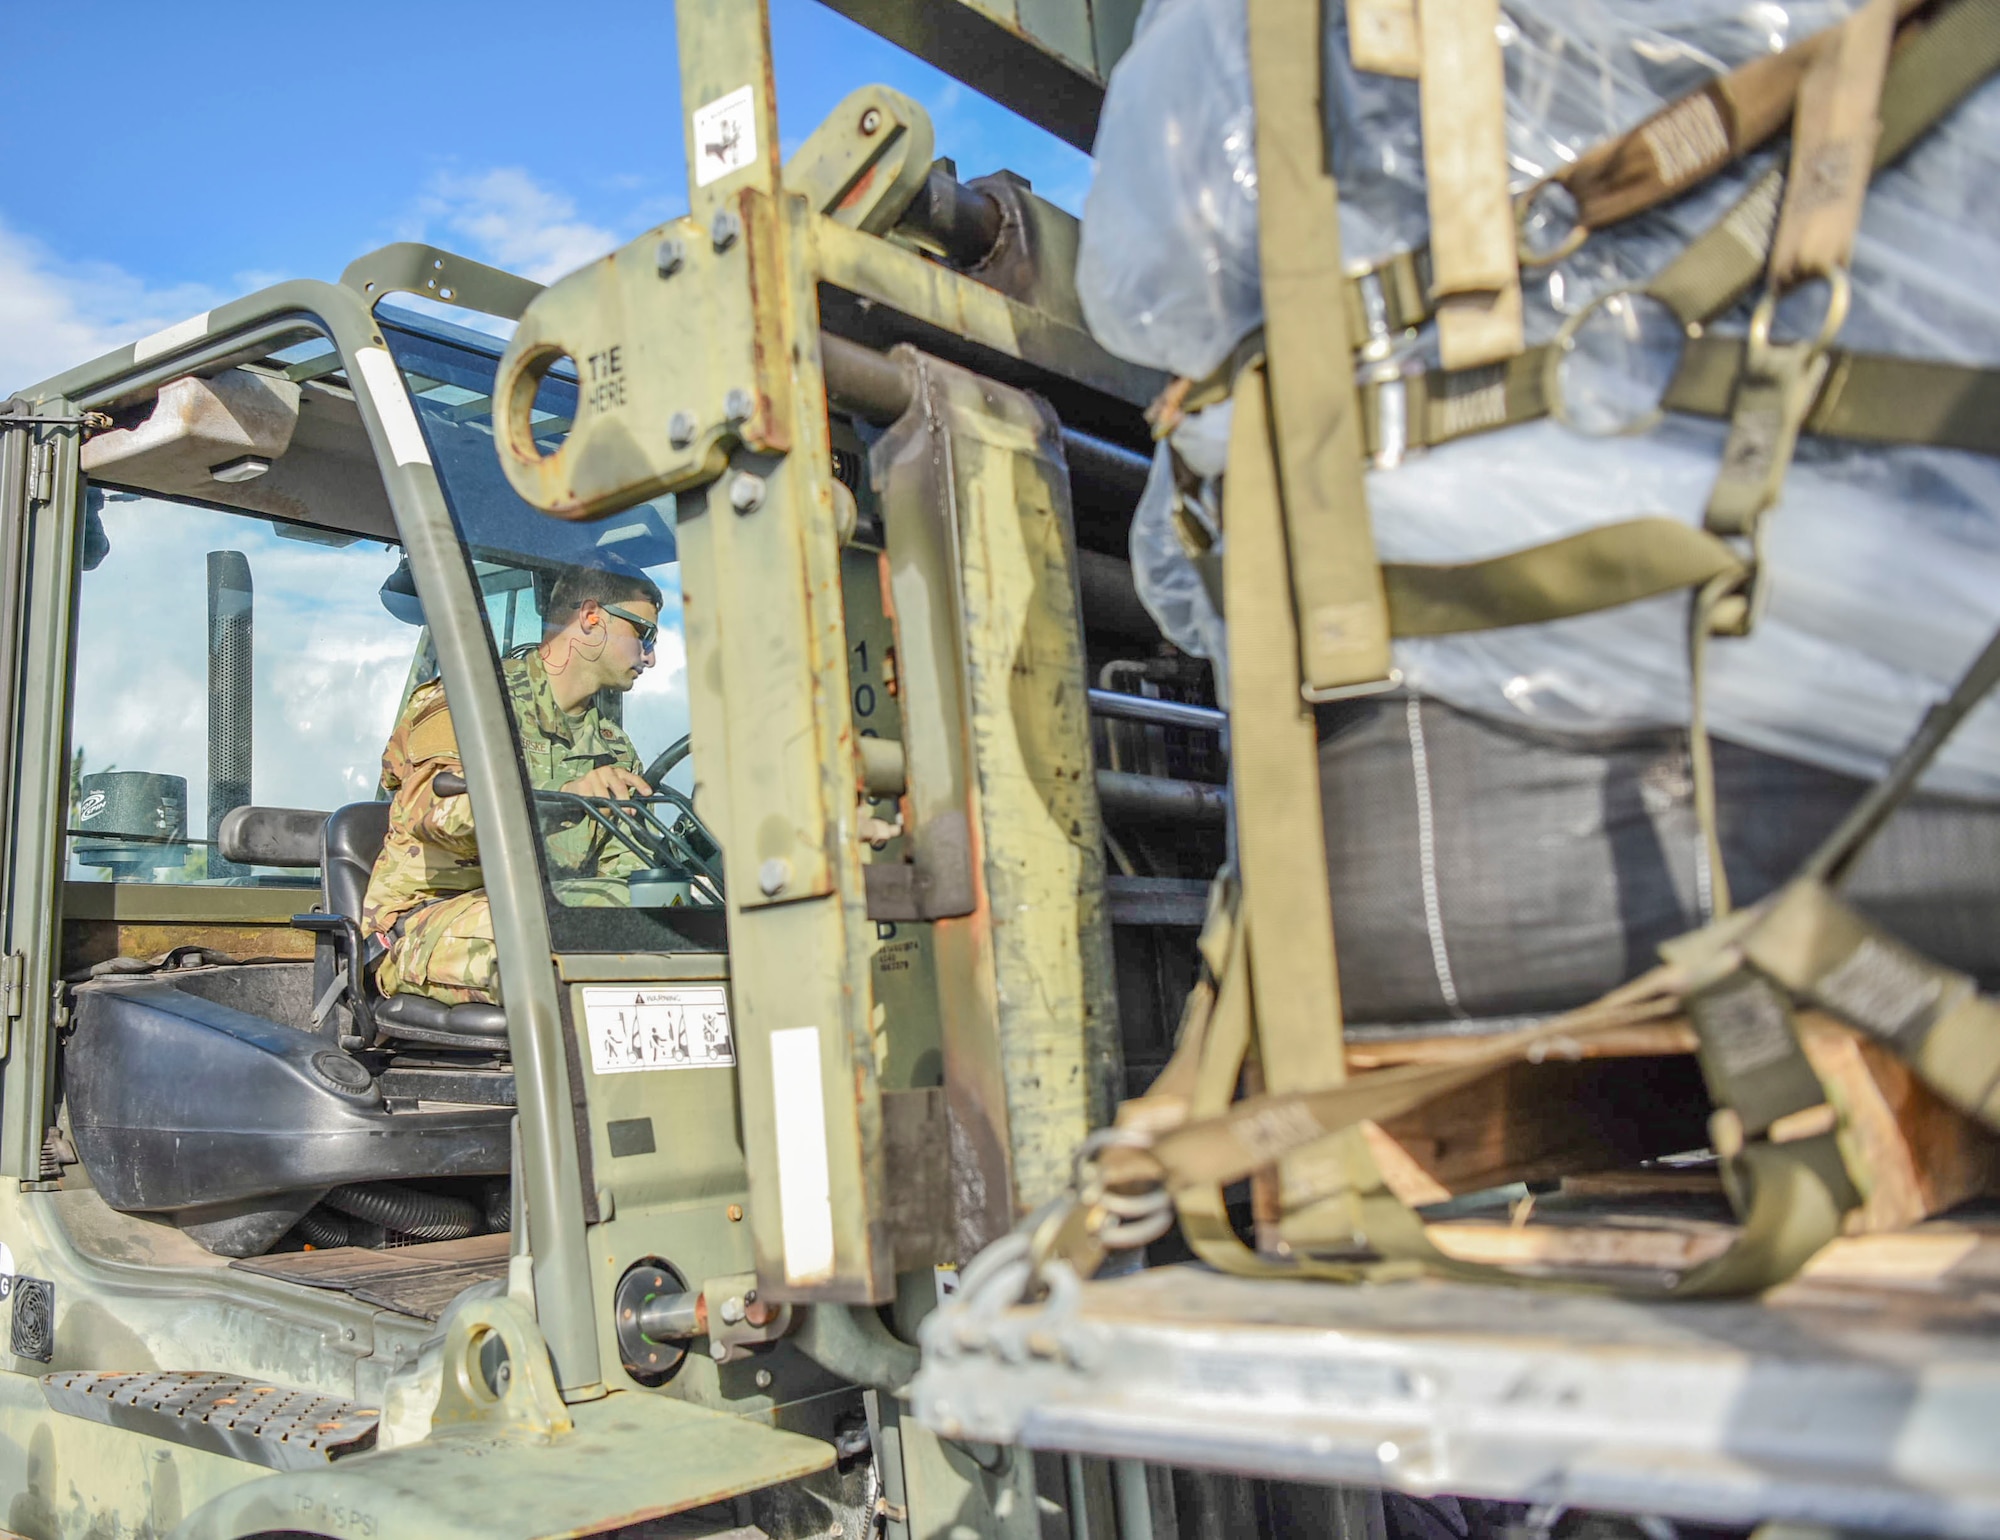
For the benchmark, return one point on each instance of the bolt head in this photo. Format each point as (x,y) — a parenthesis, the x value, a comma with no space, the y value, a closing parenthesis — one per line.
(871,120)
(670,256)
(719,1351)
(773,875)
(724,229)
(681,428)
(735,1213)
(763,1379)
(746,495)
(732,1310)
(738,405)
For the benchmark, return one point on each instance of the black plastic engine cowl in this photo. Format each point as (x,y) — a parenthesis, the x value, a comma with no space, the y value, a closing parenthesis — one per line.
(179,1103)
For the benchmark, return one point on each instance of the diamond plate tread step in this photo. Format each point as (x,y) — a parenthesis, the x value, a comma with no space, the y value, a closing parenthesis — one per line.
(272,1425)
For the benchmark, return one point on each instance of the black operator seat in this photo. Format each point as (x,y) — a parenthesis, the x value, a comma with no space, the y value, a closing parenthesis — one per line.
(353,839)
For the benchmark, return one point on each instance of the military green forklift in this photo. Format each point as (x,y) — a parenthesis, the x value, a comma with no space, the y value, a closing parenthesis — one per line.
(647,1246)
(652,1236)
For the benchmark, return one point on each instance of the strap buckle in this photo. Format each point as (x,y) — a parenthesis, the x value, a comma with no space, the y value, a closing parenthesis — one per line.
(1780,383)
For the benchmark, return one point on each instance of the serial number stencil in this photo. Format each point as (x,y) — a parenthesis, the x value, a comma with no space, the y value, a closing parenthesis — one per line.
(631,1028)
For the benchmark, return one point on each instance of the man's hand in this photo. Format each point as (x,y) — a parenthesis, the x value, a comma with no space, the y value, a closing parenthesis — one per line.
(610,781)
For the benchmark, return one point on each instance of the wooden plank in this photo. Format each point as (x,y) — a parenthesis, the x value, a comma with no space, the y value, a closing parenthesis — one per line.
(1636,1095)
(339,1267)
(1658,1247)
(1645,1040)
(1920,1155)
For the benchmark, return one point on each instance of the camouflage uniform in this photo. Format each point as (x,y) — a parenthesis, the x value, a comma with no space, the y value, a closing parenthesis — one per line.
(428,877)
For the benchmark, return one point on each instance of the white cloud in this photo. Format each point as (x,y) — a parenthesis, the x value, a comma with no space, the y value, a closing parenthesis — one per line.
(56,314)
(506,217)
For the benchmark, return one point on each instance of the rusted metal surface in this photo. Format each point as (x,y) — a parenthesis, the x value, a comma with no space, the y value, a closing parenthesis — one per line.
(265,1424)
(93,941)
(770,708)
(866,161)
(1008,859)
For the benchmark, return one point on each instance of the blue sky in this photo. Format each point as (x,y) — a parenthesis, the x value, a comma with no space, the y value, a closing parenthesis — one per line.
(192,153)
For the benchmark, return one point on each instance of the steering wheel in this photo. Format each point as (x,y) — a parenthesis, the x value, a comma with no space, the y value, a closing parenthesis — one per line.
(668,757)
(661,829)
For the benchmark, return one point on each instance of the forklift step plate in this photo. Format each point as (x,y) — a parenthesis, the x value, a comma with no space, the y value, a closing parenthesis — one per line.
(248,1420)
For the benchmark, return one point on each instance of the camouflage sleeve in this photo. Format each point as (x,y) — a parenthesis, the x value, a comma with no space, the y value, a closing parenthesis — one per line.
(430,746)
(619,860)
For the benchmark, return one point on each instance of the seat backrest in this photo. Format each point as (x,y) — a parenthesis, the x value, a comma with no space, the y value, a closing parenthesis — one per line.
(354,836)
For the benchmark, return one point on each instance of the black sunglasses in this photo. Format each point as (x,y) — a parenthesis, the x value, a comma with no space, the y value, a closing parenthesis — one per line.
(647,629)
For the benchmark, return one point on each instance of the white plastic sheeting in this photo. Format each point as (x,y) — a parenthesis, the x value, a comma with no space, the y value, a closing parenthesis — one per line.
(1884,563)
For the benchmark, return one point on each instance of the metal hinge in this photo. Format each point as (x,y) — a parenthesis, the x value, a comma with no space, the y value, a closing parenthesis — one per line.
(13,977)
(42,472)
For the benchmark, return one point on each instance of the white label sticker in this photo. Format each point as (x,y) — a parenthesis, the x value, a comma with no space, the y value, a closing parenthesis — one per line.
(805,1189)
(725,136)
(392,405)
(631,1028)
(193,329)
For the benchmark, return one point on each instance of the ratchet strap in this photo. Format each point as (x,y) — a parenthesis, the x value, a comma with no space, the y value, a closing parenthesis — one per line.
(1342,633)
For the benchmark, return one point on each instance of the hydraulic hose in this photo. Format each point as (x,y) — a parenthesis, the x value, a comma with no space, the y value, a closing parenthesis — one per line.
(428,1216)
(852,1342)
(322,1230)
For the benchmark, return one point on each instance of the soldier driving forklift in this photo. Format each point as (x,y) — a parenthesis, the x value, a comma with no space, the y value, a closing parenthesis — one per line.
(360,1179)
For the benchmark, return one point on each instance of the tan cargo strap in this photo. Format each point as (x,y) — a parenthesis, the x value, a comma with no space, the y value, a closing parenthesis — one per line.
(1189,1136)
(1382,37)
(1834,131)
(1591,570)
(1867,399)
(1342,633)
(1939,58)
(1930,1016)
(1281,838)
(1871,398)
(1844,846)
(1685,142)
(1475,276)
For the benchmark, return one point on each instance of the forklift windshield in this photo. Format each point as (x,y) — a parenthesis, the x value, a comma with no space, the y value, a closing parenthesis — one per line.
(624,872)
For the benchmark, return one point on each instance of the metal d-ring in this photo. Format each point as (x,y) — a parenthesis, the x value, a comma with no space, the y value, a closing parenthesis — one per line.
(1524,205)
(1840,295)
(1564,343)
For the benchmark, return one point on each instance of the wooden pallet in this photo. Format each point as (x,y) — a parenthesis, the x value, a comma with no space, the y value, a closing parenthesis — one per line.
(1591,1121)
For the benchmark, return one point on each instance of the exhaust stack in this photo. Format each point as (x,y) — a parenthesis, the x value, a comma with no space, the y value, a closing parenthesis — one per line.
(229,686)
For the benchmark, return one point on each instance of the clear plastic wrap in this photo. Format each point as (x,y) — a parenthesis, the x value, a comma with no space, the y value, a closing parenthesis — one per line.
(1884,563)
(1168,584)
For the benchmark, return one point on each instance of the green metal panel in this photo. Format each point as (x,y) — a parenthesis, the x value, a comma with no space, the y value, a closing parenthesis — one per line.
(975,497)
(1046,59)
